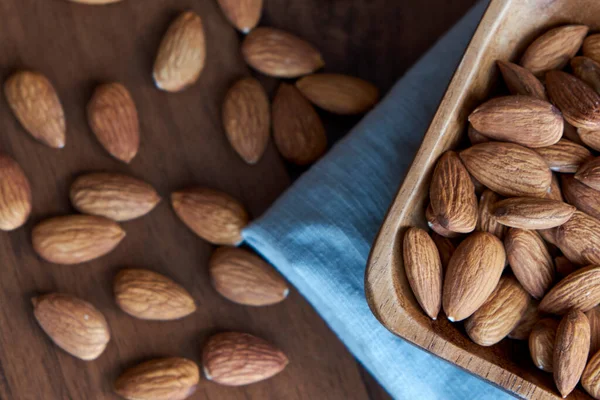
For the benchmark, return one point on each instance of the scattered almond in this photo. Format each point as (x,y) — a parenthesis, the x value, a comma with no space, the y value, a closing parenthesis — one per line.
(579,239)
(565,156)
(532,213)
(579,103)
(587,70)
(520,81)
(581,196)
(243,14)
(591,47)
(590,380)
(527,322)
(15,194)
(571,350)
(486,222)
(593,317)
(541,343)
(445,248)
(589,173)
(579,290)
(435,225)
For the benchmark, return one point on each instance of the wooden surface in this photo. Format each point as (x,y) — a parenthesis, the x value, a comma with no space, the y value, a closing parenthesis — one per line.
(507,28)
(78,46)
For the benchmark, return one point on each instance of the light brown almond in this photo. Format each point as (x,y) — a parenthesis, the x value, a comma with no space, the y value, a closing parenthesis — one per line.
(445,247)
(579,239)
(181,55)
(475,136)
(74,325)
(74,239)
(36,105)
(590,379)
(593,317)
(245,278)
(242,14)
(589,173)
(527,322)
(541,343)
(580,290)
(587,70)
(590,138)
(579,103)
(570,133)
(554,192)
(591,47)
(564,267)
(486,222)
(297,129)
(565,156)
(148,295)
(236,359)
(15,194)
(247,119)
(581,196)
(521,81)
(280,54)
(170,378)
(532,212)
(435,225)
(554,49)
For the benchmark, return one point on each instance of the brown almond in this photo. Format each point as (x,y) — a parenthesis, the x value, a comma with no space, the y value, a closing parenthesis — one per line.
(35,103)
(445,247)
(579,103)
(554,192)
(247,119)
(242,14)
(500,313)
(476,137)
(571,350)
(564,156)
(423,268)
(74,239)
(473,273)
(589,173)
(486,222)
(532,212)
(113,117)
(563,267)
(148,295)
(115,196)
(541,343)
(170,378)
(15,194)
(591,47)
(339,94)
(297,129)
(571,133)
(245,278)
(236,359)
(181,55)
(590,379)
(593,317)
(521,81)
(587,70)
(590,138)
(74,325)
(280,54)
(508,169)
(579,290)
(554,49)
(527,322)
(213,215)
(435,225)
(581,196)
(579,239)
(96,2)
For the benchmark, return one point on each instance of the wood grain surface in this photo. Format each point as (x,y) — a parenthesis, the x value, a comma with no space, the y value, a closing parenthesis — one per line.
(79,46)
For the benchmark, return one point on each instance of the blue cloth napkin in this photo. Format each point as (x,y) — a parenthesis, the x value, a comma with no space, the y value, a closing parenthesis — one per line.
(319,233)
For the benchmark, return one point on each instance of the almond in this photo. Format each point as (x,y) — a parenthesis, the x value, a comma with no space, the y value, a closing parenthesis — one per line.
(579,103)
(500,313)
(297,129)
(593,317)
(74,325)
(554,49)
(581,196)
(148,295)
(521,81)
(435,225)
(339,94)
(589,173)
(549,235)
(571,350)
(473,273)
(445,248)
(182,54)
(113,117)
(243,14)
(36,105)
(423,268)
(564,156)
(96,2)
(115,196)
(579,239)
(564,267)
(213,215)
(532,213)
(486,222)
(579,290)
(590,138)
(245,278)
(541,343)
(554,192)
(475,136)
(570,133)
(15,194)
(527,322)
(236,359)
(74,239)
(587,70)
(170,378)
(247,119)
(591,47)
(590,380)
(508,169)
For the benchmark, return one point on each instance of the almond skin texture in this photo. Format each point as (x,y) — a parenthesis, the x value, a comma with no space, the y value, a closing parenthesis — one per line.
(475,136)
(181,55)
(501,312)
(171,378)
(529,260)
(236,359)
(532,213)
(339,94)
(423,268)
(74,325)
(527,322)
(213,215)
(520,81)
(541,343)
(581,196)
(571,350)
(445,248)
(247,119)
(245,278)
(593,317)
(36,105)
(590,138)
(452,194)
(280,54)
(113,117)
(435,225)
(243,14)
(564,156)
(590,380)
(591,47)
(587,70)
(15,194)
(297,129)
(589,173)
(580,290)
(472,275)
(524,120)
(508,169)
(148,295)
(564,267)
(554,49)
(579,239)
(486,222)
(74,239)
(578,102)
(115,196)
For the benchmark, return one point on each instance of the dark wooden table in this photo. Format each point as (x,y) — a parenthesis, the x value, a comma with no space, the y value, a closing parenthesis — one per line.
(77,46)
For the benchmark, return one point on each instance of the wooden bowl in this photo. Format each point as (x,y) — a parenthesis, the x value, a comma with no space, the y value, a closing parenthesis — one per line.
(506,29)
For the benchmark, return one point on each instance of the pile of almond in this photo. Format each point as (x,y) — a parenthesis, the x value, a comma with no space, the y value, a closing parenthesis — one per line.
(515,215)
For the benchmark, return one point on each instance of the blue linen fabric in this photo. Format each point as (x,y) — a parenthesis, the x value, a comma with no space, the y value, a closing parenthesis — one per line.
(318,234)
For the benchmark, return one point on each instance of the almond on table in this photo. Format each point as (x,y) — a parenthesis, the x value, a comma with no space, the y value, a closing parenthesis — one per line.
(571,349)
(243,14)
(15,194)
